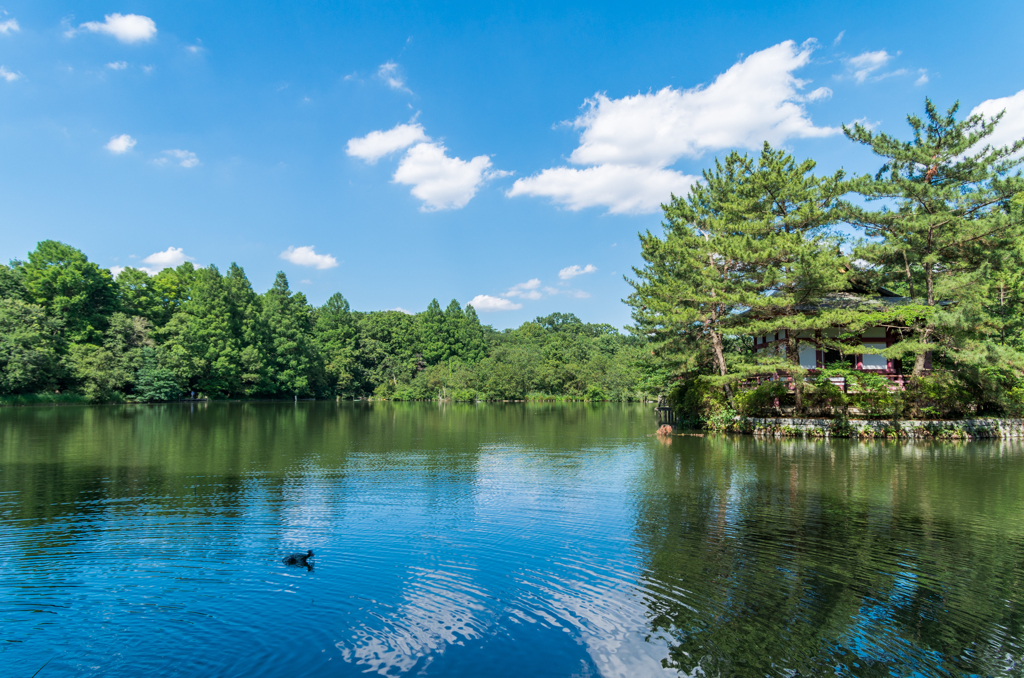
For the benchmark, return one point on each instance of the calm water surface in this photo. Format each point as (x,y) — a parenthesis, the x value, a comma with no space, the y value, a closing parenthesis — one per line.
(498,540)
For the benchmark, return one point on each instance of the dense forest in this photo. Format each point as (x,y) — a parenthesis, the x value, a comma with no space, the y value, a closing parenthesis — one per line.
(763,247)
(68,327)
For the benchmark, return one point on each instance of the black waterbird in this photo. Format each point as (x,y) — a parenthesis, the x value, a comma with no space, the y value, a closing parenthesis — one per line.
(298,558)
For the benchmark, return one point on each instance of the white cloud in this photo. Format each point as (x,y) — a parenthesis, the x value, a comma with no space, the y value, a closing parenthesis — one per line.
(116,270)
(864,65)
(486,303)
(120,144)
(1011,128)
(376,145)
(307,256)
(158,261)
(117,65)
(388,72)
(630,142)
(127,28)
(442,182)
(184,158)
(755,100)
(839,38)
(526,290)
(923,79)
(571,272)
(9,26)
(818,95)
(148,69)
(623,189)
(194,49)
(7,75)
(401,310)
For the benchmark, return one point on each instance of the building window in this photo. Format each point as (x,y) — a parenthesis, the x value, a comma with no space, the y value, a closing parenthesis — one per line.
(872,361)
(808,356)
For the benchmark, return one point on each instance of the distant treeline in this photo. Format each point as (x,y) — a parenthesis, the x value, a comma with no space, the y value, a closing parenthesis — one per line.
(68,326)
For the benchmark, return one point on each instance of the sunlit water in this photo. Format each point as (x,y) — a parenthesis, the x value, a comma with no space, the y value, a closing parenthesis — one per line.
(497,540)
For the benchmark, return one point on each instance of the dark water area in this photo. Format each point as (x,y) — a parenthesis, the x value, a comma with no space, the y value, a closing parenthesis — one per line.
(498,540)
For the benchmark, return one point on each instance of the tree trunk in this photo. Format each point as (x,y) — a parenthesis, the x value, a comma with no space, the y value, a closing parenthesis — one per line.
(910,277)
(793,357)
(919,359)
(719,349)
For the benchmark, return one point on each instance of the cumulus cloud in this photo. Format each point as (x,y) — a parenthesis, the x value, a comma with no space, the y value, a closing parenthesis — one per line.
(120,144)
(117,65)
(922,79)
(571,272)
(440,181)
(866,64)
(307,256)
(9,26)
(158,261)
(755,100)
(376,145)
(389,73)
(629,142)
(622,189)
(526,290)
(184,158)
(126,28)
(486,303)
(7,75)
(1011,128)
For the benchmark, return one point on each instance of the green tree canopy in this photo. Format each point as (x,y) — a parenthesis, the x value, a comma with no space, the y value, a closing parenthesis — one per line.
(71,288)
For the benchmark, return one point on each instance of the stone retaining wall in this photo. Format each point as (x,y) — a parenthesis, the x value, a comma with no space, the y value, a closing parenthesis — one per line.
(963,429)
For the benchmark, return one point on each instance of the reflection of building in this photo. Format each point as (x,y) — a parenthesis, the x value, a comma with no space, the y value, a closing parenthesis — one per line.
(815,355)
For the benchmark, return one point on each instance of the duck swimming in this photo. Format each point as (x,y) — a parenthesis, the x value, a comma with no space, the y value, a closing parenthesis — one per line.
(298,558)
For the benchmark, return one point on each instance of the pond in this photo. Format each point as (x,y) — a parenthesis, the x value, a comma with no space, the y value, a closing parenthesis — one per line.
(499,540)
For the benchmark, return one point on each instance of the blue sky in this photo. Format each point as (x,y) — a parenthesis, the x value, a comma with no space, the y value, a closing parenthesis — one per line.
(519,148)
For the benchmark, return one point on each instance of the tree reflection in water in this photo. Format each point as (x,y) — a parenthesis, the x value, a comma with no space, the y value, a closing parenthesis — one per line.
(809,558)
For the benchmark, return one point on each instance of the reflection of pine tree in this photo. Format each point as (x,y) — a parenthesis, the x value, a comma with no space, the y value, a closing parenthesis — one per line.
(792,567)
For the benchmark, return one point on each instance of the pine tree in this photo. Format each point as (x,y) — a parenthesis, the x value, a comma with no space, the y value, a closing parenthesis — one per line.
(752,237)
(951,195)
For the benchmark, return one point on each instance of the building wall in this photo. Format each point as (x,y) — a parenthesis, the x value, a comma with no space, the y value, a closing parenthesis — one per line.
(876,337)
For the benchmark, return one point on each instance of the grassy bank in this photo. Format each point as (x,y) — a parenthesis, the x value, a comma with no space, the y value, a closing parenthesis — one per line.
(42,399)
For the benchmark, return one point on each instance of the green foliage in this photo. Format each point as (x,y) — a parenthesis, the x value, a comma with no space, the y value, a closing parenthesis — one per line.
(154,383)
(749,252)
(72,289)
(29,348)
(740,255)
(952,226)
(294,363)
